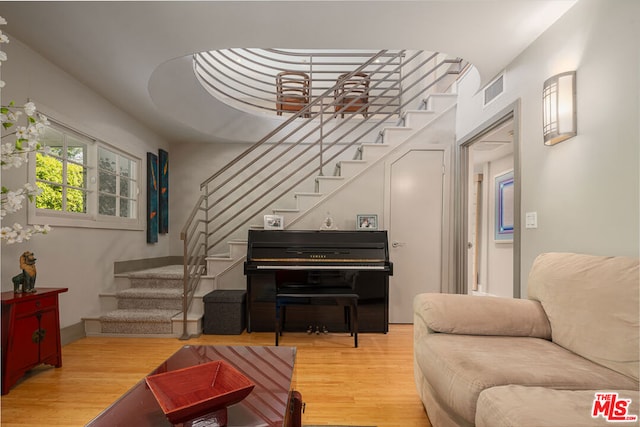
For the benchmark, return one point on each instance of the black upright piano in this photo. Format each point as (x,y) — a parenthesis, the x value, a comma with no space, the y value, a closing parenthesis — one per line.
(318,258)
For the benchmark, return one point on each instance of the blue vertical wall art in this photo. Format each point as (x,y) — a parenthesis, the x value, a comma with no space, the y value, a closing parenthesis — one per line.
(152,198)
(163,211)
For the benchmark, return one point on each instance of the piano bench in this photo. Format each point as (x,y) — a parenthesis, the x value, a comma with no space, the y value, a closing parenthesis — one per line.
(301,296)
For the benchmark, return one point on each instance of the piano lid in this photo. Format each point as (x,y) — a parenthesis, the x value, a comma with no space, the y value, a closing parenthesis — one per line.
(317,247)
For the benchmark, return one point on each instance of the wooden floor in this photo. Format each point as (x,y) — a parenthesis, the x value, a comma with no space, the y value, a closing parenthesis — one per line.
(369,385)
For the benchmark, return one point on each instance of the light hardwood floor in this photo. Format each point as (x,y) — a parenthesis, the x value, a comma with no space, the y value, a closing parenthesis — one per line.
(369,385)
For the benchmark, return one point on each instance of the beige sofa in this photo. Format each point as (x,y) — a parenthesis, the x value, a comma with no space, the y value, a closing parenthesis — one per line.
(492,362)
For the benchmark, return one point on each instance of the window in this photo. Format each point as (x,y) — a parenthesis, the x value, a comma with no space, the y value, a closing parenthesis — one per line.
(62,174)
(117,184)
(84,182)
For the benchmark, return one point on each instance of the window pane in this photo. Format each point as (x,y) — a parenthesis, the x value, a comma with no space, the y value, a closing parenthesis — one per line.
(76,150)
(107,205)
(125,187)
(48,168)
(54,139)
(127,208)
(106,183)
(106,160)
(76,176)
(126,167)
(50,196)
(76,201)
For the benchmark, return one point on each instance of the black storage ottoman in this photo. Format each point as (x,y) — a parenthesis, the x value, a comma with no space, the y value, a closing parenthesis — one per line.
(224,312)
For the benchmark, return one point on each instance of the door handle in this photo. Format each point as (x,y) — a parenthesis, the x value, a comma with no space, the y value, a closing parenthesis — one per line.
(397,244)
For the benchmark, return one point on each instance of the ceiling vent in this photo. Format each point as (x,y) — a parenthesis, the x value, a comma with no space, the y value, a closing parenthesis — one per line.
(494,89)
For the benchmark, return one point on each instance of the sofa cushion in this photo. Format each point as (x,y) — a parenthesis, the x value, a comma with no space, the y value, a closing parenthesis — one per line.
(513,405)
(459,367)
(592,303)
(475,315)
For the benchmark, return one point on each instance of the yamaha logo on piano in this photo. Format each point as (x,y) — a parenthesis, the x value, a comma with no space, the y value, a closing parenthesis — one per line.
(316,256)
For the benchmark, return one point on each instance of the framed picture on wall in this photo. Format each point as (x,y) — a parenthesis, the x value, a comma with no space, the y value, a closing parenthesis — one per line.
(504,200)
(163,192)
(273,222)
(367,222)
(152,198)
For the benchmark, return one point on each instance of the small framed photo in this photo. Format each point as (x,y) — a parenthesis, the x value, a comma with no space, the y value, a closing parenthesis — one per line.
(367,222)
(273,222)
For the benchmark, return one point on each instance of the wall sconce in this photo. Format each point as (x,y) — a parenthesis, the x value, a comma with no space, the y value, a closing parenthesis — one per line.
(559,108)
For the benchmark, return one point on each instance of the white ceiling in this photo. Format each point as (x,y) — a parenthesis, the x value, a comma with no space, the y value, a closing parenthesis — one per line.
(116,47)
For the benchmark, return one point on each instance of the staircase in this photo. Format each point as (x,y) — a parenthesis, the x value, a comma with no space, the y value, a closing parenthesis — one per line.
(150,302)
(146,304)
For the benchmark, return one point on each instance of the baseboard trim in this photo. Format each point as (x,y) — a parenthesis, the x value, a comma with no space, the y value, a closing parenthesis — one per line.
(72,333)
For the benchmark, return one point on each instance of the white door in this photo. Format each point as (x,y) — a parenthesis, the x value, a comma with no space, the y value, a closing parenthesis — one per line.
(415,229)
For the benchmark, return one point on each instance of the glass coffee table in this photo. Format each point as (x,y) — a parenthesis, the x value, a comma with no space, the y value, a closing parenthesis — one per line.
(271,369)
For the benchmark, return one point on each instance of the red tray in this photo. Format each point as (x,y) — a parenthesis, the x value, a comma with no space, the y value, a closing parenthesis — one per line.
(187,393)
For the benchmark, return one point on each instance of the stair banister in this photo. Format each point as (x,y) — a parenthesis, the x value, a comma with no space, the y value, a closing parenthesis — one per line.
(186,235)
(297,182)
(291,177)
(289,121)
(224,71)
(257,171)
(188,285)
(294,172)
(292,146)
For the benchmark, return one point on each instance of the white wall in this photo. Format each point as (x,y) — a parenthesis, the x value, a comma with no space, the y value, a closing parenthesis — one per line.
(499,256)
(190,165)
(585,190)
(78,258)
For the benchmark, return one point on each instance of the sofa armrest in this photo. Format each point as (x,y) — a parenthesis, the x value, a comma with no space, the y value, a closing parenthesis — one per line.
(482,315)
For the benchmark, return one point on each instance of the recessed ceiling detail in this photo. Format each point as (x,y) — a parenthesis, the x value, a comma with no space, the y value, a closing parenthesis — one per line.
(138,55)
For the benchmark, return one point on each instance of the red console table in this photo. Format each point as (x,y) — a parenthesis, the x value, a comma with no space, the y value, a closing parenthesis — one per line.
(30,333)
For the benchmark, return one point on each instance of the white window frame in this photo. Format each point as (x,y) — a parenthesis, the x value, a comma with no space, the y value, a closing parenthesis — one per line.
(91,218)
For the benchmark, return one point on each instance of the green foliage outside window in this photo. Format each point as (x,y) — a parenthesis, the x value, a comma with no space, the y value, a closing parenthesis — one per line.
(50,179)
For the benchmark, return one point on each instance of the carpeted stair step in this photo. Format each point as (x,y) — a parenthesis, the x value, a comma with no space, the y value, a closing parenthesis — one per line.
(150,298)
(169,276)
(147,307)
(153,321)
(156,282)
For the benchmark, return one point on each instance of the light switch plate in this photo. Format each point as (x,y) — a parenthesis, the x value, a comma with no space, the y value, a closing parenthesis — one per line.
(531,220)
